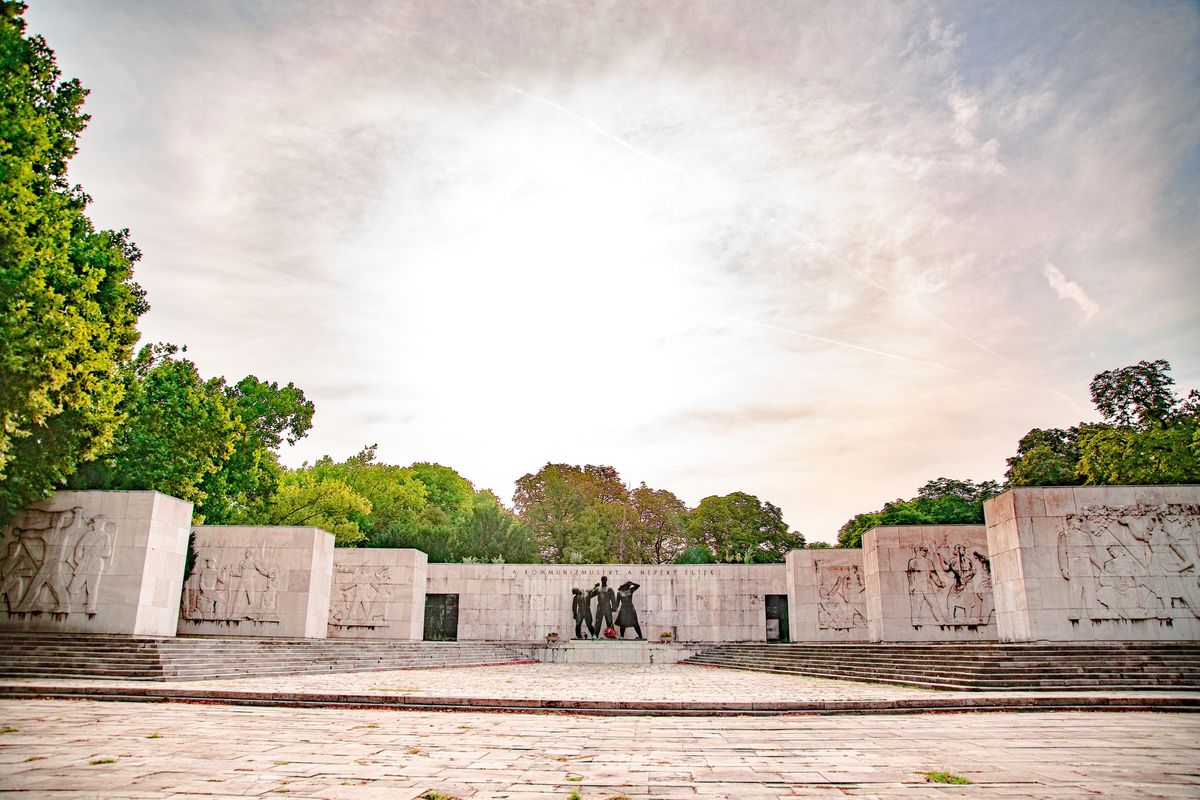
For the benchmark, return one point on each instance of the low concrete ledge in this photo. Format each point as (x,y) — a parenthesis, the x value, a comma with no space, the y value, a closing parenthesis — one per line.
(1176,702)
(606,651)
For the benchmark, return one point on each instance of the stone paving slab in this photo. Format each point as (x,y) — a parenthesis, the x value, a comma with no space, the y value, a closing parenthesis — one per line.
(74,750)
(673,688)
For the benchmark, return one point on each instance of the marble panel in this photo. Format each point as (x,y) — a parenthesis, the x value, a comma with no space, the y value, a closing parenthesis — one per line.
(259,581)
(928,583)
(94,562)
(1110,563)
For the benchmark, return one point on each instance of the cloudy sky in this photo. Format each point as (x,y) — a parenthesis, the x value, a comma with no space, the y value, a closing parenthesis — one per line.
(818,252)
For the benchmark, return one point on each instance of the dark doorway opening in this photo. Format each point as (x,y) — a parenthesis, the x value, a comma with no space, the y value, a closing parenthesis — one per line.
(777,618)
(441,618)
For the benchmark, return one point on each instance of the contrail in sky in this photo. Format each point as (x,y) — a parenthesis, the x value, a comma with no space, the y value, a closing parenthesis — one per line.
(658,162)
(823,339)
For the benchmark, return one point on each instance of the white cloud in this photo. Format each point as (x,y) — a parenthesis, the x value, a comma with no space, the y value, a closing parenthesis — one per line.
(496,234)
(1070,290)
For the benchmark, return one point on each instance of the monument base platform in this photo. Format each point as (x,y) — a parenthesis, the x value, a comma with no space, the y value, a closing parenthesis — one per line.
(607,651)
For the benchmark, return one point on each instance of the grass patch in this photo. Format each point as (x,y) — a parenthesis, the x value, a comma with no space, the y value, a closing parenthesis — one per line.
(98,761)
(155,735)
(34,758)
(438,796)
(574,795)
(413,751)
(280,763)
(8,729)
(937,776)
(574,778)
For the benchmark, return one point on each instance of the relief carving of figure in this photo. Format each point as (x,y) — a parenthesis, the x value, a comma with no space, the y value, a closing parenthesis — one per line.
(360,593)
(205,595)
(92,554)
(252,590)
(960,592)
(842,597)
(53,560)
(925,588)
(1132,563)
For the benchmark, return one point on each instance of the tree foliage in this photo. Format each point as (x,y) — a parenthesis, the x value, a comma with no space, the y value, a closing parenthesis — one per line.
(1149,435)
(942,501)
(176,429)
(68,303)
(198,439)
(738,527)
(425,506)
(588,515)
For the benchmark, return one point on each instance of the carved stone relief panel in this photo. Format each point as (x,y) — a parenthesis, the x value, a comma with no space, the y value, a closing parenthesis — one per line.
(949,585)
(841,596)
(52,561)
(242,588)
(360,596)
(1131,562)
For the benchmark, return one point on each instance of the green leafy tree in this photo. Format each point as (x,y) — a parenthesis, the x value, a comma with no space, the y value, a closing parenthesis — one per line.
(445,490)
(695,554)
(1138,396)
(738,527)
(1149,435)
(306,497)
(269,416)
(493,533)
(177,429)
(942,501)
(68,303)
(1045,457)
(657,534)
(574,512)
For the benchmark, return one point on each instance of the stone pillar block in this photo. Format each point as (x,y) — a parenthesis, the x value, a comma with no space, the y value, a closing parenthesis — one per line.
(95,562)
(259,581)
(928,583)
(827,597)
(1094,563)
(377,594)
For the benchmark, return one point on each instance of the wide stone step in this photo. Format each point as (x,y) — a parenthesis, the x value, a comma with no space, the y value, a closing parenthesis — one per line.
(975,666)
(58,655)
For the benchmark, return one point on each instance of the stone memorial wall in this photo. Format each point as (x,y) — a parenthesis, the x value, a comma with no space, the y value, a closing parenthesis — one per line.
(703,603)
(377,594)
(928,583)
(258,581)
(1051,564)
(95,562)
(1092,563)
(827,594)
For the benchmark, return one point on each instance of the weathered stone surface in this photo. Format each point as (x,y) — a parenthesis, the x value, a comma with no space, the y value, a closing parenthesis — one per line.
(827,595)
(1096,563)
(928,583)
(95,562)
(259,581)
(703,603)
(377,593)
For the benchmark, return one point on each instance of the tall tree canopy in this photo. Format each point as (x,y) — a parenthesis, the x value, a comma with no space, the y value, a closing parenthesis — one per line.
(588,515)
(198,439)
(1149,435)
(68,302)
(738,527)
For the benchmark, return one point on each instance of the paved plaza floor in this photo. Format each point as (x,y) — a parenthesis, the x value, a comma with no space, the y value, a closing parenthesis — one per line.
(86,749)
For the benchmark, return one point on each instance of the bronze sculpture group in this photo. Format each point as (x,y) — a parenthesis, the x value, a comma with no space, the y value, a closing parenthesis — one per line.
(597,624)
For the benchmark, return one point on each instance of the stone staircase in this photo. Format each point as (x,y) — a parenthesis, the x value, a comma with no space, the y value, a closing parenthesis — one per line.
(51,655)
(975,666)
